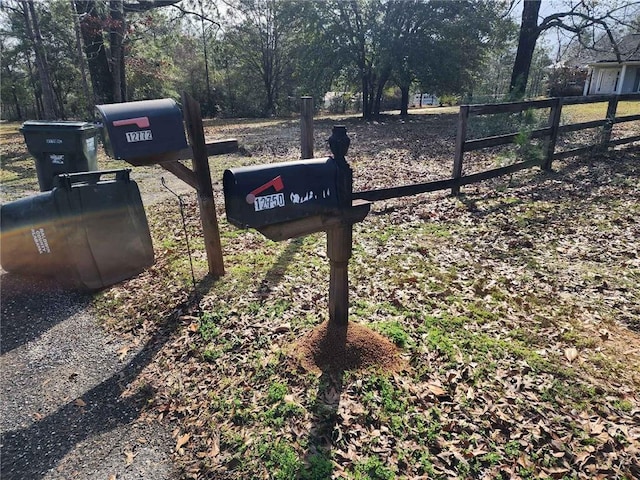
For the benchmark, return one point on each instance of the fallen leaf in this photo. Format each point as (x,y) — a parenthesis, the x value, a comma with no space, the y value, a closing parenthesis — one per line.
(194,327)
(129,457)
(182,440)
(471,393)
(571,353)
(436,390)
(596,428)
(282,328)
(214,451)
(112,477)
(80,403)
(123,352)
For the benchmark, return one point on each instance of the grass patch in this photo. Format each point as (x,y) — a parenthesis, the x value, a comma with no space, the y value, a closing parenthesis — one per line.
(372,469)
(394,331)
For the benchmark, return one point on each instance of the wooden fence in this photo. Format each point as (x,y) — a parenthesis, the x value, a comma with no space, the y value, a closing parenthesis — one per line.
(549,136)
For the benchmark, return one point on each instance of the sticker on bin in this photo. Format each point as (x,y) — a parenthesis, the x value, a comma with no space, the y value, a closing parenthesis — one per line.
(40,239)
(57,159)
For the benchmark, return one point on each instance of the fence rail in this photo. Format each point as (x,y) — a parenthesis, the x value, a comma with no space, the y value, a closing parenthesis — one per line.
(549,134)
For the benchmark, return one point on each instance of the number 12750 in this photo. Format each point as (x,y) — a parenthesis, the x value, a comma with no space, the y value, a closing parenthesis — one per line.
(268,202)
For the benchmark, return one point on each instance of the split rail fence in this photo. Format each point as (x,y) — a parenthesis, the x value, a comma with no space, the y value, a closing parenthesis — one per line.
(549,136)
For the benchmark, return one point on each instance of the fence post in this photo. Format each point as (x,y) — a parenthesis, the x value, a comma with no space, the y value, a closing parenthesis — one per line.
(306,127)
(608,127)
(554,124)
(463,117)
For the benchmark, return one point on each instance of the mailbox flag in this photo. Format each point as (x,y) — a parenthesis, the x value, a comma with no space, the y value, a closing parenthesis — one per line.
(276,183)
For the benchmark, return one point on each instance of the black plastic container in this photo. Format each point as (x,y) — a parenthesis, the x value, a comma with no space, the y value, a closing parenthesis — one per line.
(60,147)
(87,231)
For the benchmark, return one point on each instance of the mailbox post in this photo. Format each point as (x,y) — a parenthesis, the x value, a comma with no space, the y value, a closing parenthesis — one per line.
(206,204)
(340,237)
(292,199)
(151,132)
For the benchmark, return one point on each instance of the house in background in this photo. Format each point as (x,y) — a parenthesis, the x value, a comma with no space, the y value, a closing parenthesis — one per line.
(423,99)
(609,74)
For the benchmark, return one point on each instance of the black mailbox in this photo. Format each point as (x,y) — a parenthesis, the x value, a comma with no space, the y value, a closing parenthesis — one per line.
(139,131)
(262,195)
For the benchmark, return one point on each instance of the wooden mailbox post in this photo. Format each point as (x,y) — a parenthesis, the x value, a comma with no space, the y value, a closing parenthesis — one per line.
(198,177)
(202,173)
(338,227)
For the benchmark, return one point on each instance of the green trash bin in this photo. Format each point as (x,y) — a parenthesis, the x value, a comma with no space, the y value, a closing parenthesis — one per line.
(61,147)
(90,231)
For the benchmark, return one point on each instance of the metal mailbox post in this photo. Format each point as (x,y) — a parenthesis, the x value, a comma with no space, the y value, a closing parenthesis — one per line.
(292,199)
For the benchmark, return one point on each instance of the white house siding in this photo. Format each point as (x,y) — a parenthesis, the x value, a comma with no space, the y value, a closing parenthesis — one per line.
(615,72)
(423,100)
(605,80)
(631,79)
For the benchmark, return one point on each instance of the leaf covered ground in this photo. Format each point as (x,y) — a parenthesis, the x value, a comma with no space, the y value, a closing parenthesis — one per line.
(514,307)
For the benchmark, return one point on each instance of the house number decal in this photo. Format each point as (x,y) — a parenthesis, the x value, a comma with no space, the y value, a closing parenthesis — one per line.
(139,136)
(267,202)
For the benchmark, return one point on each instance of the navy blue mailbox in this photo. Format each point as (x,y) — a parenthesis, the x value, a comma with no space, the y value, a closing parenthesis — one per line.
(263,195)
(142,132)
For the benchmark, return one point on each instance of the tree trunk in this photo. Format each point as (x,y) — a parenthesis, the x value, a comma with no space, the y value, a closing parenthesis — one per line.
(89,101)
(529,33)
(366,97)
(404,100)
(16,102)
(59,99)
(270,105)
(95,51)
(268,81)
(36,93)
(33,31)
(116,44)
(382,81)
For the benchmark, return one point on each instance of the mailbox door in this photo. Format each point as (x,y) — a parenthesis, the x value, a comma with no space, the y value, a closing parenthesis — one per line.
(142,129)
(268,194)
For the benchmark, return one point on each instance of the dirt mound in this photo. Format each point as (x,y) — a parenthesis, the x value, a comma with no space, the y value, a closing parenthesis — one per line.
(337,349)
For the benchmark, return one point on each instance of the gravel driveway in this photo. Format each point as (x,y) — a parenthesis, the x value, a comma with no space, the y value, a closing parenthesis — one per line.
(61,377)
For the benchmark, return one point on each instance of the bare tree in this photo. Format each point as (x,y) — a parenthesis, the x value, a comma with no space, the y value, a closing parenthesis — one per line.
(586,20)
(100,20)
(82,62)
(32,27)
